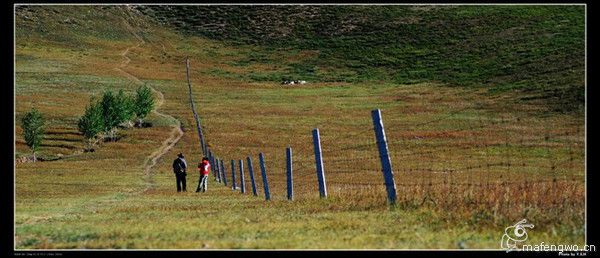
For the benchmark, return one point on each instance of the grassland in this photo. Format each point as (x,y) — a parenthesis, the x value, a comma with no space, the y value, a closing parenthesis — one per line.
(532,159)
(537,51)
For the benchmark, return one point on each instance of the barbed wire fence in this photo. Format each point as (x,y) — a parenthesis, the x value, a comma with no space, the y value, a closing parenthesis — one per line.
(463,157)
(504,164)
(447,161)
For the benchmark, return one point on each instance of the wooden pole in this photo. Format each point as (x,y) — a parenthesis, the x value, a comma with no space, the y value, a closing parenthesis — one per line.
(218,170)
(251,172)
(263,170)
(242,183)
(223,172)
(290,180)
(233,186)
(319,163)
(386,164)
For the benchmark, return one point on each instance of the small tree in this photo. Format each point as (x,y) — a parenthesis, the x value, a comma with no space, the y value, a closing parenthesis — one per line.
(144,103)
(33,130)
(92,122)
(125,107)
(116,109)
(110,113)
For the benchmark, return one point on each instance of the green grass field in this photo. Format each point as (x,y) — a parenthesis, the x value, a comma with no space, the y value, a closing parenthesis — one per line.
(468,161)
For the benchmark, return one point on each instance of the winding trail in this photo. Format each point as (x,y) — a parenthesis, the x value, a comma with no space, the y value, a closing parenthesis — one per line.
(149,162)
(175,134)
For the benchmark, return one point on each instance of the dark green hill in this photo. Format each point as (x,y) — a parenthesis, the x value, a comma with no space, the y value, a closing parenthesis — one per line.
(536,50)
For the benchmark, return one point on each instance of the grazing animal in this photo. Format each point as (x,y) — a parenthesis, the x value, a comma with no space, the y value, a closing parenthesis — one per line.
(290,82)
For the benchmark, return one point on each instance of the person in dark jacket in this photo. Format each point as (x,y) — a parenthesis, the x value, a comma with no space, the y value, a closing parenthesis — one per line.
(179,168)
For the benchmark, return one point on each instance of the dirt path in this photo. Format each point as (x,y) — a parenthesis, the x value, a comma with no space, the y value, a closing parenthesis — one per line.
(175,134)
(149,162)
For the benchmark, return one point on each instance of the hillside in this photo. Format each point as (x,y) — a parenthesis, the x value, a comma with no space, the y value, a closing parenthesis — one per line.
(537,51)
(469,157)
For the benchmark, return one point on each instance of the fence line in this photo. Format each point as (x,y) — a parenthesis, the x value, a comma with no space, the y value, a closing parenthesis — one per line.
(481,154)
(198,125)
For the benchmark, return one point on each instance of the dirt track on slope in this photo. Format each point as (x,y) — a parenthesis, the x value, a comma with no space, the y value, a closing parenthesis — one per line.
(175,134)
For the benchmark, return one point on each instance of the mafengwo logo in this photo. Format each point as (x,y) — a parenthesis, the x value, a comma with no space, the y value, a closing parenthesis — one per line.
(514,235)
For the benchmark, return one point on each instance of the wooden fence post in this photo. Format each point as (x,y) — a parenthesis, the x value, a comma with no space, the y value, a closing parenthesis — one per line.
(386,164)
(263,171)
(211,161)
(251,171)
(223,172)
(242,183)
(290,180)
(217,170)
(233,186)
(319,163)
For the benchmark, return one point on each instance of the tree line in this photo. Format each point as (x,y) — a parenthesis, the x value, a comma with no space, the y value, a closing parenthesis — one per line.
(101,119)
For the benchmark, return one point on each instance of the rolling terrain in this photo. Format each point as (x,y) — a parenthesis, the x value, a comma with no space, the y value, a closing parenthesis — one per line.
(481,135)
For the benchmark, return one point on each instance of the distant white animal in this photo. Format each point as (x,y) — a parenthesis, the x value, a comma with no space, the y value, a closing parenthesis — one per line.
(290,82)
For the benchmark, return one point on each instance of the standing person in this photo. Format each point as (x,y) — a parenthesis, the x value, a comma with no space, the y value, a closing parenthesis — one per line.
(179,168)
(204,169)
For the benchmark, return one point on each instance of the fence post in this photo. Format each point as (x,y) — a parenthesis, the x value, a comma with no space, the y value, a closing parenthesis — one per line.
(218,170)
(233,186)
(206,155)
(290,180)
(263,171)
(242,183)
(217,162)
(251,171)
(211,162)
(223,174)
(319,163)
(386,164)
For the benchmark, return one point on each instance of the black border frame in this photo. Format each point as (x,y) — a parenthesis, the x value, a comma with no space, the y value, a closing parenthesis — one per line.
(7,225)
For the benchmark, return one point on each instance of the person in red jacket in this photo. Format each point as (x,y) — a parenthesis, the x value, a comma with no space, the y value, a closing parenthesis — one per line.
(204,170)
